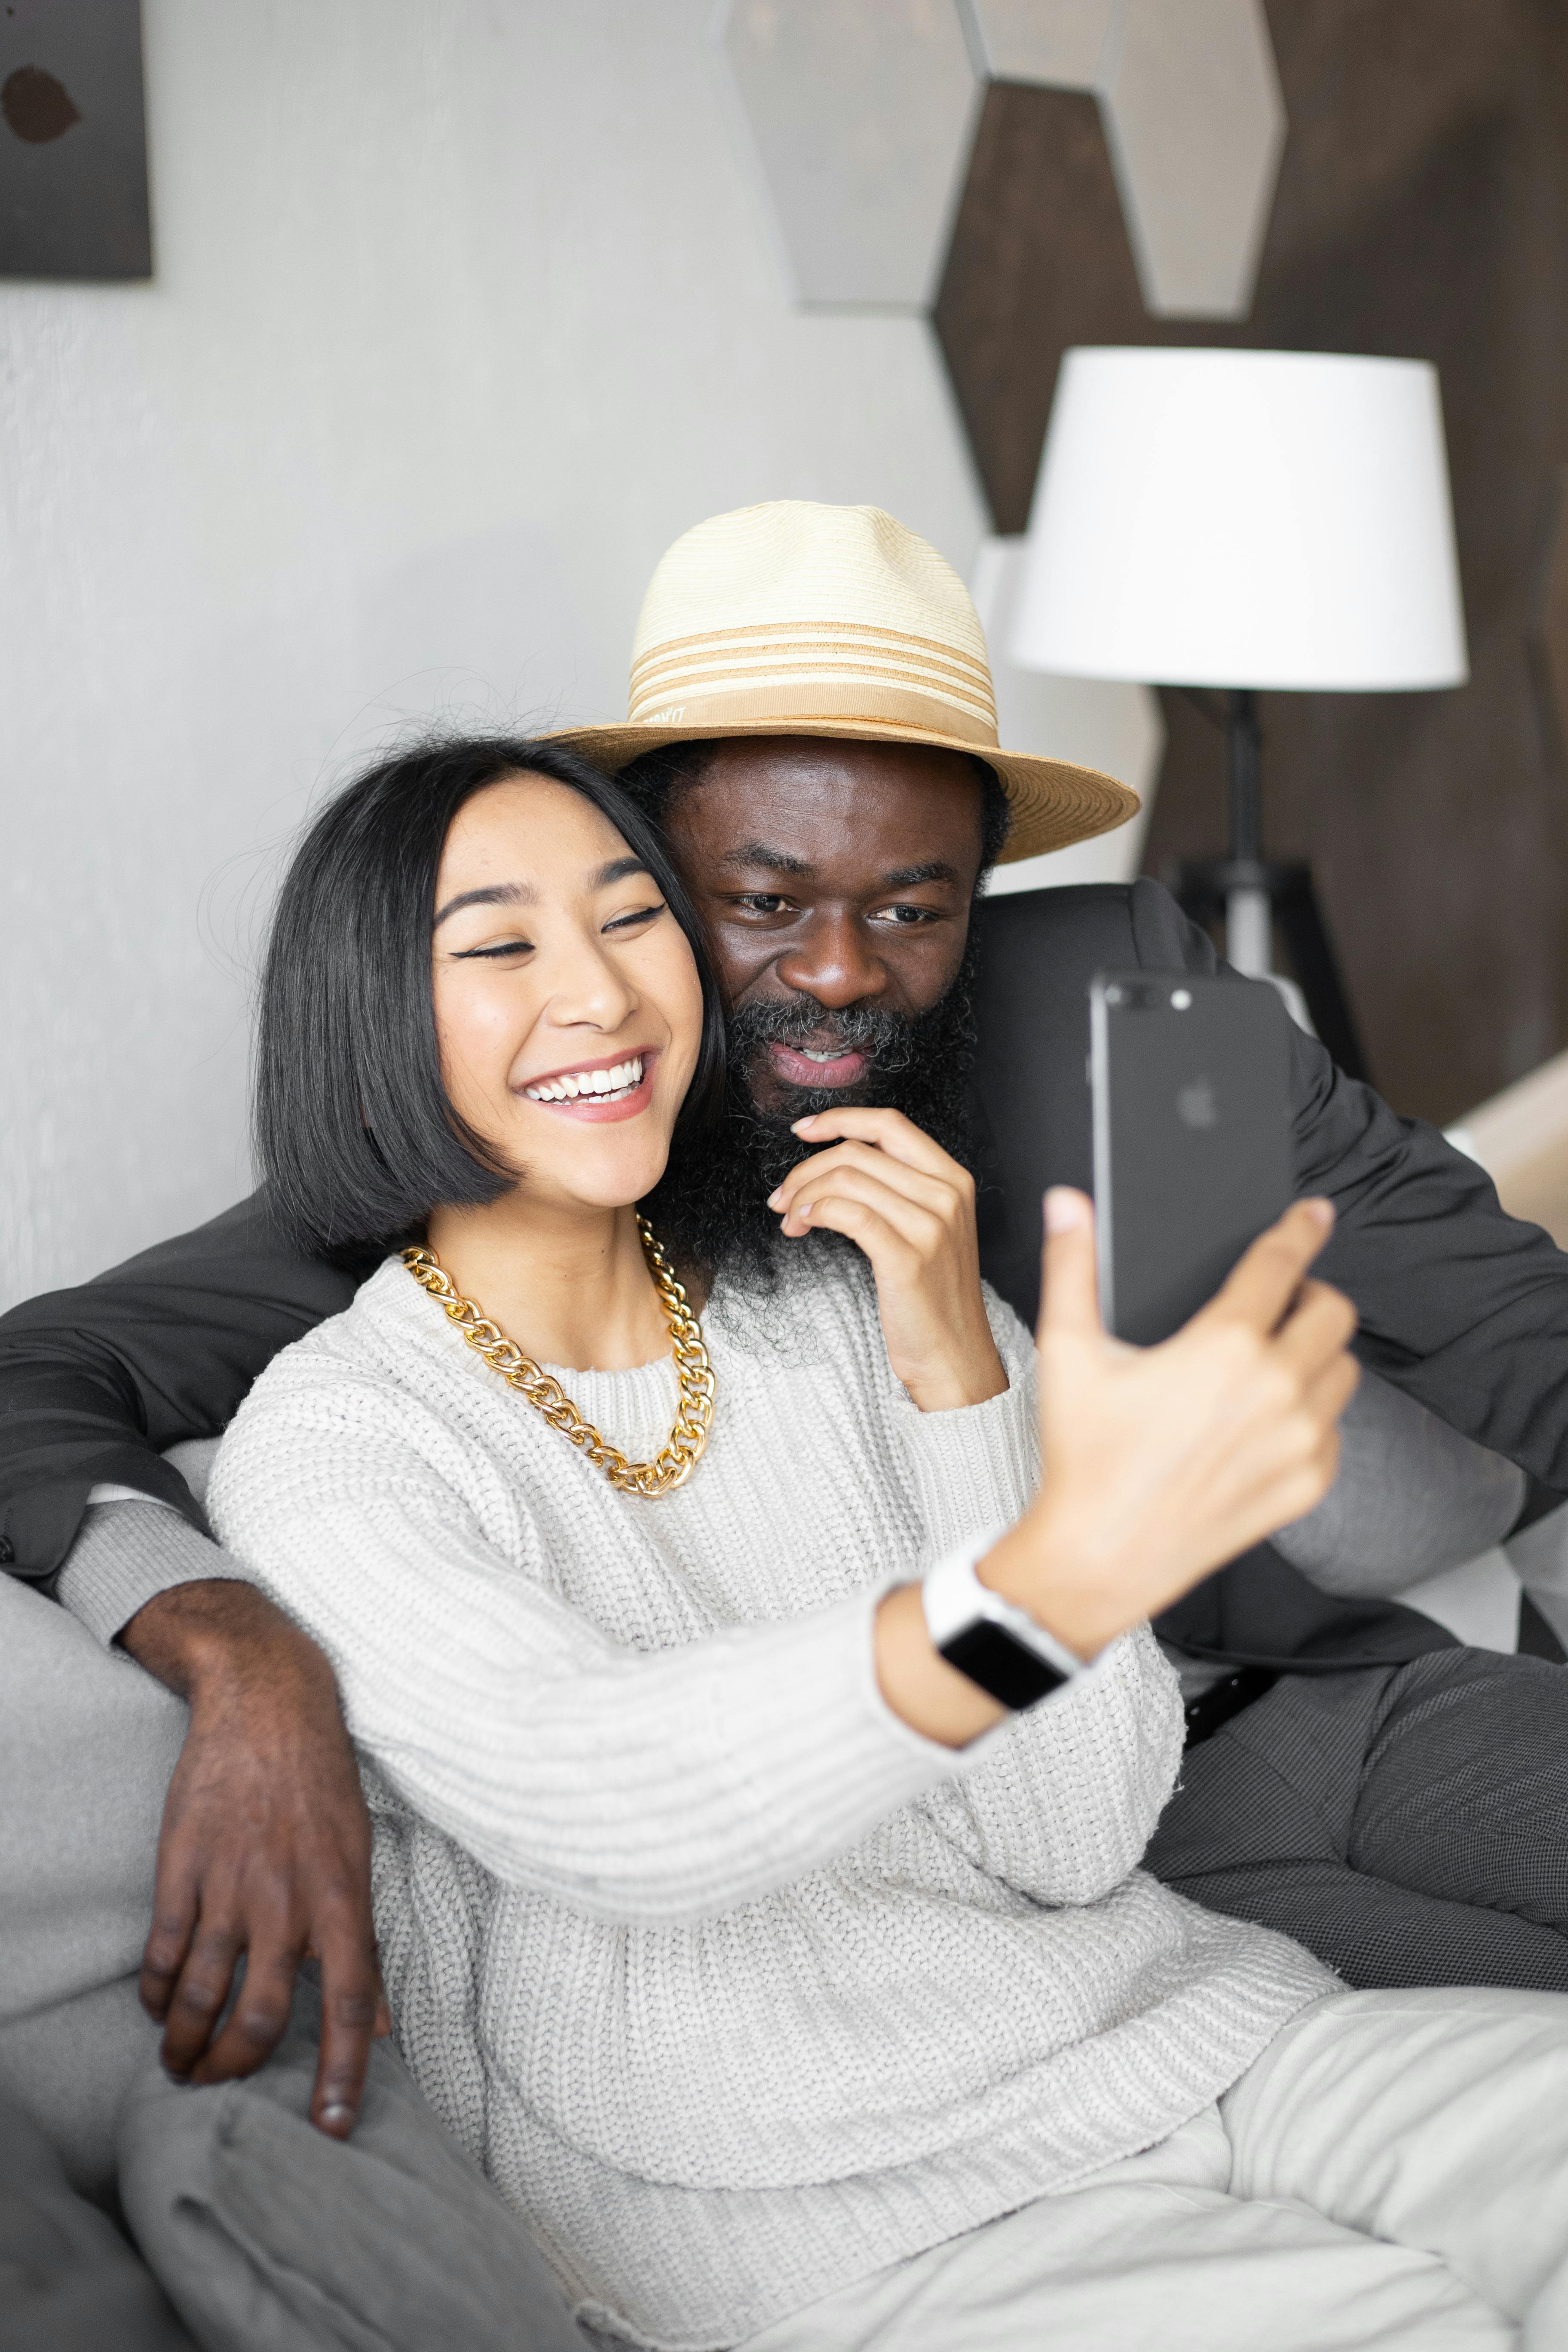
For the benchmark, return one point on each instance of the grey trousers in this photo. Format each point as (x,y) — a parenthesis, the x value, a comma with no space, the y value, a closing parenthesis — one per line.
(1409,1824)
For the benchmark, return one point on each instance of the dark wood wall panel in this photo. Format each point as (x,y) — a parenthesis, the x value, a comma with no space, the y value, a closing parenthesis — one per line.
(1422,211)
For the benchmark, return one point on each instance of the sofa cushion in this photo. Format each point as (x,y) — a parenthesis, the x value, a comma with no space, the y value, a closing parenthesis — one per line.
(270,2237)
(69,2067)
(88,1743)
(68,2281)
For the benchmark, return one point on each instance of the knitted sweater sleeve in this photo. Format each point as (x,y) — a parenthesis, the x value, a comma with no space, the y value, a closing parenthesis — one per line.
(1118,1732)
(978,1468)
(643,1788)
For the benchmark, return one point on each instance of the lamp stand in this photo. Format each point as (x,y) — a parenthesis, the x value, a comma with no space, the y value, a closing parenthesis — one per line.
(1251,891)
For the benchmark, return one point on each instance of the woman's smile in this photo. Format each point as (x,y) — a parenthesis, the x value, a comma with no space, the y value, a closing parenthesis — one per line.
(616,1086)
(569,1008)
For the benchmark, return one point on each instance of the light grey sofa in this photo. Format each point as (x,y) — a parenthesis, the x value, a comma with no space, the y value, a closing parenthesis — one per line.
(266,2237)
(87,1742)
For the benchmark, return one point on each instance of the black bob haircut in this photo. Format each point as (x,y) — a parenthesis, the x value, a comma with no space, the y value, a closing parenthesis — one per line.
(356,1136)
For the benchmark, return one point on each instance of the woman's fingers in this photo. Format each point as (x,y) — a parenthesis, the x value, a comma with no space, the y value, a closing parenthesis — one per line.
(858,1221)
(1319,1327)
(1334,1386)
(887,1131)
(1069,1296)
(918,1223)
(853,1166)
(1293,1455)
(854,1154)
(1262,1286)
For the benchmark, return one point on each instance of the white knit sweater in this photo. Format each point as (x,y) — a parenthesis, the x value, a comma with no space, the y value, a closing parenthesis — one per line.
(737,1987)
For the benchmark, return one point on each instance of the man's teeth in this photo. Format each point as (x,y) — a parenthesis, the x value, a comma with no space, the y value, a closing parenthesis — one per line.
(833,1053)
(601,1084)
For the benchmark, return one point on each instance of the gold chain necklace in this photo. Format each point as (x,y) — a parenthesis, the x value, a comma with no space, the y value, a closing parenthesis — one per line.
(681,1450)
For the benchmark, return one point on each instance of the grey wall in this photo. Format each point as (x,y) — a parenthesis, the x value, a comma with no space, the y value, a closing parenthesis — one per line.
(461,314)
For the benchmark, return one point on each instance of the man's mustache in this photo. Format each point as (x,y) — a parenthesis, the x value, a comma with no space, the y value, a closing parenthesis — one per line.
(886,1038)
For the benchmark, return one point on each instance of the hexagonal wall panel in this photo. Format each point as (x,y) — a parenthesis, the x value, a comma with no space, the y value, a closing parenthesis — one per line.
(1196,125)
(1100,722)
(1039,260)
(1057,43)
(861,117)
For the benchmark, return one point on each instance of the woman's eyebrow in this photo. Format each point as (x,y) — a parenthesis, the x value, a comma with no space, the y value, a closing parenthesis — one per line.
(497,893)
(615,869)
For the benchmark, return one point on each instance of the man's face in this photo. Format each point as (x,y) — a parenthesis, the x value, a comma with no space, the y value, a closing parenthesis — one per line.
(835,880)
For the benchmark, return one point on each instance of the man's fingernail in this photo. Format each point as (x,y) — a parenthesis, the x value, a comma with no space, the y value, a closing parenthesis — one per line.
(1063,1208)
(337,2113)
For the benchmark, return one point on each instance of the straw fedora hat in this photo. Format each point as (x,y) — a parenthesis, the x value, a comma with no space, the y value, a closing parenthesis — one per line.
(798,619)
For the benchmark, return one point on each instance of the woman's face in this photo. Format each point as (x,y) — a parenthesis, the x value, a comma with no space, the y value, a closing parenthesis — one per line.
(568,1009)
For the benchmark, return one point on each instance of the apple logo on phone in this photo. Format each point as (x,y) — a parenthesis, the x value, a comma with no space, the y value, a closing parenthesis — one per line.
(1195,1105)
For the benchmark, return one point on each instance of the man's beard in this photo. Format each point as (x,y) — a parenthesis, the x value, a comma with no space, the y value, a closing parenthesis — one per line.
(711,1201)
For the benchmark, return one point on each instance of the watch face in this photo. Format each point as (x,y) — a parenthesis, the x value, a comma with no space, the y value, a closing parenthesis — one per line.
(990,1656)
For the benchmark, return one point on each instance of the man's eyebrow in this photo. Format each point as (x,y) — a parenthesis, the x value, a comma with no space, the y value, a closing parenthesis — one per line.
(759,853)
(905,877)
(497,893)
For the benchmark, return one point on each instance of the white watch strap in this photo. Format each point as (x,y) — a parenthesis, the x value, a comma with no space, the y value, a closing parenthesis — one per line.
(953,1598)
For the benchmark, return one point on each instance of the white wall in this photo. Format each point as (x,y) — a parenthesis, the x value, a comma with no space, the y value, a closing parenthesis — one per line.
(462,312)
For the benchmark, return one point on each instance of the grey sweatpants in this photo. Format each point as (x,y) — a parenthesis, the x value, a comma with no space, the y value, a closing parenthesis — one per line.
(1408,1824)
(1387,2177)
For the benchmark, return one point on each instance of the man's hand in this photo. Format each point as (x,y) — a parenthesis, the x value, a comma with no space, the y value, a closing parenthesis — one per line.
(902,1198)
(265,1850)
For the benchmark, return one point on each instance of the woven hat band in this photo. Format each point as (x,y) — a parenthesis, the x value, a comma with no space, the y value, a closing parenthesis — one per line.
(873,702)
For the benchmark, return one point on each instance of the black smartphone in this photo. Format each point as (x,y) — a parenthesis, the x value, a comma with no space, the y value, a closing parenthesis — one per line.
(1192,1138)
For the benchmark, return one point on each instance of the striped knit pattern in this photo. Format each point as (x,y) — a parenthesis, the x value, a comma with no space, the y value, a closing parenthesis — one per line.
(738,1989)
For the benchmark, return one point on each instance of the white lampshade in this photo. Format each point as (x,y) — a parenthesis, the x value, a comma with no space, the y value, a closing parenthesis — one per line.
(1243,518)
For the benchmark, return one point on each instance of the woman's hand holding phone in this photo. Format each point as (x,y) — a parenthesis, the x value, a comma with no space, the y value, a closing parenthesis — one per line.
(1158,1464)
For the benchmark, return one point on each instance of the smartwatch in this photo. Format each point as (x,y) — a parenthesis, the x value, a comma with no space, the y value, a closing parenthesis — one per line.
(997,1646)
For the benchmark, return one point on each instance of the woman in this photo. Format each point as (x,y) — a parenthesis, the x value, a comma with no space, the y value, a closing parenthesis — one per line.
(795,1988)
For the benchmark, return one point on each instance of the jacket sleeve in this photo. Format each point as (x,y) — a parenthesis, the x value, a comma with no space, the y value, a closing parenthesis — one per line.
(96,1382)
(1464,1307)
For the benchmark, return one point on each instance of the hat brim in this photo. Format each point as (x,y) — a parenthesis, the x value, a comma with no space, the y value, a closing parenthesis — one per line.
(1054,802)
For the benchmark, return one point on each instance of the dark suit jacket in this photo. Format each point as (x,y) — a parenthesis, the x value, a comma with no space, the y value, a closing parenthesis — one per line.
(1463,1307)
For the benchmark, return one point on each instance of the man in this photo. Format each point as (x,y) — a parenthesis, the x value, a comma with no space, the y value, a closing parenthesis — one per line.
(811,717)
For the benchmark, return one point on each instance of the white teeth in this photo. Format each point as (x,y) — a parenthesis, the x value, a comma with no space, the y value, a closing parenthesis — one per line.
(622,1080)
(834,1053)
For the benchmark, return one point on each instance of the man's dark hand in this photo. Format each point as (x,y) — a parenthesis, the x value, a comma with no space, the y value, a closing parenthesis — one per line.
(265,1851)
